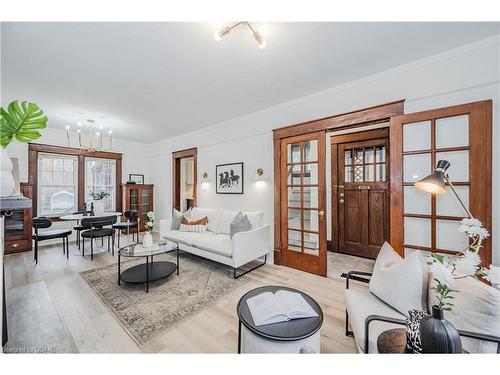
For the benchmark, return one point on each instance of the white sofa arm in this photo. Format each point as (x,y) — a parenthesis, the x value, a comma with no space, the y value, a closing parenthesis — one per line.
(165,225)
(251,245)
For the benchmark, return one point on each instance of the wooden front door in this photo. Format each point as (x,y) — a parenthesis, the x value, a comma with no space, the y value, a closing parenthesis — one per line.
(303,205)
(361,195)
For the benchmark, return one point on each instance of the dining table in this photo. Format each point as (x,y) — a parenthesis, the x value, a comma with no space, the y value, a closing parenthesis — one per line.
(78,217)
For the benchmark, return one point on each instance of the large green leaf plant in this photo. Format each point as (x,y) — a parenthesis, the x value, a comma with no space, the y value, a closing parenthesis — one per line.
(21,122)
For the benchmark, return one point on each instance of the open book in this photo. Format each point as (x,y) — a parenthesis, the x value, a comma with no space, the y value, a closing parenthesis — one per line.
(281,306)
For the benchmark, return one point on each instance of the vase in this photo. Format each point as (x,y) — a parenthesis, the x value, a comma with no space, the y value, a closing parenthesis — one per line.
(99,208)
(438,335)
(7,182)
(147,240)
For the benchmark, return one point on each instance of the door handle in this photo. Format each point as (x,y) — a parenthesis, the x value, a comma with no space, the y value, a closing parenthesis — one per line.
(321,213)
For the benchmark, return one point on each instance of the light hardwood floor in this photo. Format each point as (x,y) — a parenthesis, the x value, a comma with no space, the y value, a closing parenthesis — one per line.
(51,309)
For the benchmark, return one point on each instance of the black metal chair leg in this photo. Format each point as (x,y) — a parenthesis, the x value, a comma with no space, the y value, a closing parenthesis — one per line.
(91,249)
(347,332)
(250,270)
(108,244)
(113,245)
(63,247)
(67,247)
(119,238)
(83,246)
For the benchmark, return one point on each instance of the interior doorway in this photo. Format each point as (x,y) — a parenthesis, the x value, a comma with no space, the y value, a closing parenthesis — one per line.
(184,181)
(360,192)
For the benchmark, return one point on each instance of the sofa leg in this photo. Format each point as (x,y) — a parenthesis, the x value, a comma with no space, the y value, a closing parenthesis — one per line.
(347,332)
(250,270)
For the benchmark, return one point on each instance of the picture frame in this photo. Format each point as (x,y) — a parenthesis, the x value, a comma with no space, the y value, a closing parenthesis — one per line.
(229,178)
(137,178)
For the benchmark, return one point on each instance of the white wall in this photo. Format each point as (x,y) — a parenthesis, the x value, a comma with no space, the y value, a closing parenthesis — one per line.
(465,74)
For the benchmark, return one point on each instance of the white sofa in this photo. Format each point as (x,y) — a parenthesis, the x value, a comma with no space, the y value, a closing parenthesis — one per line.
(217,245)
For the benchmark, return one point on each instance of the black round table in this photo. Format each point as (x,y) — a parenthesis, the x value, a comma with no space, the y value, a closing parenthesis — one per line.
(292,330)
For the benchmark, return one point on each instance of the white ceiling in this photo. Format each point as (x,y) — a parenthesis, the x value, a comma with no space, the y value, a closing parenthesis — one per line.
(150,81)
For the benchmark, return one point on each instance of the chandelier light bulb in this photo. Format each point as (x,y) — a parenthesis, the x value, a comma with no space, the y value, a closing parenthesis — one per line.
(67,127)
(260,41)
(217,36)
(80,124)
(110,132)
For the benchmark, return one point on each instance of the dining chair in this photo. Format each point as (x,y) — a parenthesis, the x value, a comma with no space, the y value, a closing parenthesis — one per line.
(78,228)
(132,222)
(98,227)
(43,222)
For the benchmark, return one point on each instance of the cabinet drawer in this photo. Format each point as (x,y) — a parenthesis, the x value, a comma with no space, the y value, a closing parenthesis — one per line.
(15,246)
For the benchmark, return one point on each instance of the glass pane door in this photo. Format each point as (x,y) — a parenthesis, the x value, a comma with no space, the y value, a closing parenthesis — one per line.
(303,202)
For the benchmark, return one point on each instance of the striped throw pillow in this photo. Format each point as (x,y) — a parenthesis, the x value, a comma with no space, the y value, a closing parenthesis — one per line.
(198,226)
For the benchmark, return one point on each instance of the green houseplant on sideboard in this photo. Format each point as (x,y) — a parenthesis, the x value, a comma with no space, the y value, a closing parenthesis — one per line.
(18,122)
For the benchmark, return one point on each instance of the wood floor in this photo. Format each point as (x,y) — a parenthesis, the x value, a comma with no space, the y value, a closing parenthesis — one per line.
(51,309)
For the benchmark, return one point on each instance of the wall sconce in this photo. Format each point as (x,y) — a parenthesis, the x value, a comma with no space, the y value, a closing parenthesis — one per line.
(260,180)
(204,182)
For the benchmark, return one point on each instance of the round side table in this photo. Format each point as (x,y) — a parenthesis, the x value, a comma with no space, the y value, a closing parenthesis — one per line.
(392,341)
(294,336)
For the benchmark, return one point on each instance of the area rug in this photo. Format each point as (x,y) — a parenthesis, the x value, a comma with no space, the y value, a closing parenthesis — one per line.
(147,316)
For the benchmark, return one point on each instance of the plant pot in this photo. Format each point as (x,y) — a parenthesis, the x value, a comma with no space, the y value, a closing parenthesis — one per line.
(7,182)
(438,335)
(147,240)
(99,208)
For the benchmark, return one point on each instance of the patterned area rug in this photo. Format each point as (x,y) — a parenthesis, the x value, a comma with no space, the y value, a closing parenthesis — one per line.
(147,316)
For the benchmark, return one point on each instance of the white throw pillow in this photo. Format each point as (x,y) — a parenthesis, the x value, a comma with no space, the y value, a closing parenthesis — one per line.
(476,309)
(212,214)
(255,217)
(225,220)
(401,283)
(193,228)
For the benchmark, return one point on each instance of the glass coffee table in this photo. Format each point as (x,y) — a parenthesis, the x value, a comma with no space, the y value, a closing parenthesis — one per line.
(151,270)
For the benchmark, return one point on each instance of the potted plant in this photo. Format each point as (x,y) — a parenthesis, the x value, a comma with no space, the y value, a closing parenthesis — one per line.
(147,240)
(437,334)
(19,122)
(98,197)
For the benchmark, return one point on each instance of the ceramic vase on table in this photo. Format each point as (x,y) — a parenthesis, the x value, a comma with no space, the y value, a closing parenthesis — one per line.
(6,178)
(438,335)
(147,240)
(99,208)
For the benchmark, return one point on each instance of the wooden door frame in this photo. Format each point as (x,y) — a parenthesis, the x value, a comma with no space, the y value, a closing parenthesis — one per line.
(346,120)
(480,179)
(335,141)
(176,175)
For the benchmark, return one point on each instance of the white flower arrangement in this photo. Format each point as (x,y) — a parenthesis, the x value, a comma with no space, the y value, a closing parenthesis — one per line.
(446,269)
(149,225)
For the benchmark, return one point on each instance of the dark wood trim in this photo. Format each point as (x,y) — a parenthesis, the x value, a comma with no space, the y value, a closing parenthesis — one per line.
(480,167)
(354,118)
(360,136)
(277,202)
(35,148)
(176,175)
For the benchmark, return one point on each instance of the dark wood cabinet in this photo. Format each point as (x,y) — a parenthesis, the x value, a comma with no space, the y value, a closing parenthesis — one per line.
(17,225)
(138,197)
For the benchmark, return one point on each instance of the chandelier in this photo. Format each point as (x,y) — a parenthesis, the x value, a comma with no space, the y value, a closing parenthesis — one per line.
(95,142)
(226,30)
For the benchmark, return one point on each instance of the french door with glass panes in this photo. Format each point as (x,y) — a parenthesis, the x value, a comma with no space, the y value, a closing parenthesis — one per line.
(461,135)
(303,204)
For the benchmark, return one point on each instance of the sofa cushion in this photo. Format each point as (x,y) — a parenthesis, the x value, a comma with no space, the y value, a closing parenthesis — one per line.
(215,243)
(240,224)
(360,304)
(255,217)
(185,238)
(212,214)
(176,220)
(477,309)
(401,283)
(225,220)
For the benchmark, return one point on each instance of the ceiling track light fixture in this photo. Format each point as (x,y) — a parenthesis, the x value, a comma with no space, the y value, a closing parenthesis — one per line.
(226,30)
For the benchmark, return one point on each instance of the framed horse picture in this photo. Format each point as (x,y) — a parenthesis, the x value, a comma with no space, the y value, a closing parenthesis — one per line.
(229,178)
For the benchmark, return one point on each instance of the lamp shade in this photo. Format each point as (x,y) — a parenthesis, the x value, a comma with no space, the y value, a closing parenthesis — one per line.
(435,183)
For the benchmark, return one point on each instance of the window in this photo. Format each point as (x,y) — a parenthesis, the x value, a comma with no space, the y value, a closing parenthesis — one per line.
(100,175)
(57,184)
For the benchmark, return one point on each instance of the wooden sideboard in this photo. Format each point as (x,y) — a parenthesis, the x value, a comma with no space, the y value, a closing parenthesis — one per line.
(138,197)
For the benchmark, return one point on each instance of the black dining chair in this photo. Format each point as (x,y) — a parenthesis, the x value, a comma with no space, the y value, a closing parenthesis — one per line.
(98,227)
(78,228)
(43,222)
(131,222)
